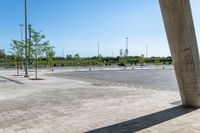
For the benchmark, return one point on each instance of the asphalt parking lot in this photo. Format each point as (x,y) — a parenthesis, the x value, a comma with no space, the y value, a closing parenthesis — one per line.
(145,78)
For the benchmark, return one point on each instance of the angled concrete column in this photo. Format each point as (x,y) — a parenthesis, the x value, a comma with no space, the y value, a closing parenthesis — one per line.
(180,31)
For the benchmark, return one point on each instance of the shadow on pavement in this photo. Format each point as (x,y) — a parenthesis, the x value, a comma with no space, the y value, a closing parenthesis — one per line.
(144,122)
(11,80)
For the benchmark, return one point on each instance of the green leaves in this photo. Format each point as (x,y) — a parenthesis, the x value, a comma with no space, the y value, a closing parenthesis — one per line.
(17,48)
(39,46)
(77,59)
(2,54)
(157,61)
(141,60)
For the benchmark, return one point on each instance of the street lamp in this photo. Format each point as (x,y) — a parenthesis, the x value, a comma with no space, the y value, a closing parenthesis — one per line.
(126,51)
(98,50)
(29,46)
(26,45)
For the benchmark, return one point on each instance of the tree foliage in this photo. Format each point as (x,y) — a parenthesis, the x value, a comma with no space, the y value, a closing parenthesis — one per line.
(157,61)
(17,50)
(2,54)
(40,47)
(50,54)
(77,58)
(141,60)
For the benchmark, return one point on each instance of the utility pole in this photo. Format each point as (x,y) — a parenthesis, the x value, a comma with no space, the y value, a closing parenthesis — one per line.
(26,45)
(29,46)
(126,51)
(98,49)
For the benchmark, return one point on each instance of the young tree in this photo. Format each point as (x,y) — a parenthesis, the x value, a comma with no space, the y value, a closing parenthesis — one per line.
(69,57)
(121,52)
(17,50)
(122,60)
(2,54)
(3,57)
(141,60)
(50,54)
(157,62)
(77,60)
(100,60)
(39,48)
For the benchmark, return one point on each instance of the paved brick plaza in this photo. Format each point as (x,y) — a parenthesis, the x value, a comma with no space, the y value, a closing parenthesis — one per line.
(58,105)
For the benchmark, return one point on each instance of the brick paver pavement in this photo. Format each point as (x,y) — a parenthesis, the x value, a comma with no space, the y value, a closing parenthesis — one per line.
(56,105)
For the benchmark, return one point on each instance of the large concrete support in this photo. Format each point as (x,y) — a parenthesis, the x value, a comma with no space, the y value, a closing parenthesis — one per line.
(180,31)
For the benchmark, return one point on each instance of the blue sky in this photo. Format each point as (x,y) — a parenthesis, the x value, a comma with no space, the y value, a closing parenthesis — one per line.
(76,26)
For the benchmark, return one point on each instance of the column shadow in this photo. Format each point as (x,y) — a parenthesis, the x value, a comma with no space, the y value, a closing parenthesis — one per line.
(144,122)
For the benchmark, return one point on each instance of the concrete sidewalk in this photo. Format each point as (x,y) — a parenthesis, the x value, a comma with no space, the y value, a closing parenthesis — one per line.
(56,105)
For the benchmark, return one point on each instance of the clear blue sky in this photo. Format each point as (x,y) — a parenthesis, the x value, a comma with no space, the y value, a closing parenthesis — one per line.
(76,26)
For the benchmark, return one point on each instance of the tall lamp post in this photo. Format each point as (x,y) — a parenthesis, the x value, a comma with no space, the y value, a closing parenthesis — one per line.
(126,51)
(29,46)
(21,32)
(98,50)
(26,45)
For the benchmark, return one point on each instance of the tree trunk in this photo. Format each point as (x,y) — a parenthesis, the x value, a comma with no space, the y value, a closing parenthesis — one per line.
(36,67)
(17,68)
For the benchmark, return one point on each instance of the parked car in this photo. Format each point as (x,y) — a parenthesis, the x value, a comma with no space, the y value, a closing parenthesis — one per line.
(121,64)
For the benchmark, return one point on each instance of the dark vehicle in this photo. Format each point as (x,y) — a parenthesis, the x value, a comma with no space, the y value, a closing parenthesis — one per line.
(121,64)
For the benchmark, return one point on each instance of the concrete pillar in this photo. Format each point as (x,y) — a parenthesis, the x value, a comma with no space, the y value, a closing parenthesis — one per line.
(182,41)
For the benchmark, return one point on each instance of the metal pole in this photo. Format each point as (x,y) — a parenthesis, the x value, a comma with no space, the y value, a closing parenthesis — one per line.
(26,51)
(29,46)
(98,49)
(126,51)
(126,46)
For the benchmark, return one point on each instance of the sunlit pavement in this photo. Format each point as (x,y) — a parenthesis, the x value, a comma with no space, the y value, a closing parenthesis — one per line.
(73,105)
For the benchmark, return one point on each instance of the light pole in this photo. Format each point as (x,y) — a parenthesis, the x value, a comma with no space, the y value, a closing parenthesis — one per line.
(126,51)
(29,45)
(98,49)
(26,45)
